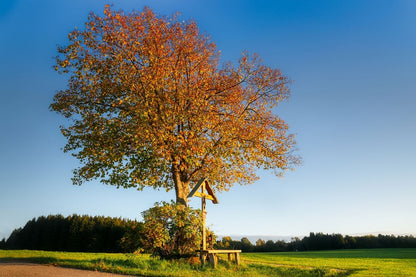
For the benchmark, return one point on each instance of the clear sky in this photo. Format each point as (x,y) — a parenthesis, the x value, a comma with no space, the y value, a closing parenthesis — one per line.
(353,108)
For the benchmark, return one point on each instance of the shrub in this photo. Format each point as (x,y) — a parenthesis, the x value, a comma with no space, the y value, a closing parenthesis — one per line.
(172,230)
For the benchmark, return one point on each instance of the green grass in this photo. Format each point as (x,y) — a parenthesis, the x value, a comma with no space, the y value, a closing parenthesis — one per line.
(373,262)
(366,262)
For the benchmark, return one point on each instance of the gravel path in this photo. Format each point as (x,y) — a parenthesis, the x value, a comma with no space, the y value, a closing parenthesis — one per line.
(19,269)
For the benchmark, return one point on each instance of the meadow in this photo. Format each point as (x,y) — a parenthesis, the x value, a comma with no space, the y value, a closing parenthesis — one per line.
(367,262)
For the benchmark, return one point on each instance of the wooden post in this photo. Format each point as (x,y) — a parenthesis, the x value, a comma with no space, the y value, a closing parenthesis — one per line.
(237,258)
(206,193)
(202,257)
(213,260)
(203,203)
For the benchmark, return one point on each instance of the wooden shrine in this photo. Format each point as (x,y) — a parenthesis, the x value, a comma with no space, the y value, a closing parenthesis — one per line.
(204,191)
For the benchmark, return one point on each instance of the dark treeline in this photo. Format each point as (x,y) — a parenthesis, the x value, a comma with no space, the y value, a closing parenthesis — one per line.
(105,234)
(76,234)
(319,241)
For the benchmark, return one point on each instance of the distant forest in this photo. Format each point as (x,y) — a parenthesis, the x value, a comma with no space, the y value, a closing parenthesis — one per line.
(77,234)
(105,234)
(319,241)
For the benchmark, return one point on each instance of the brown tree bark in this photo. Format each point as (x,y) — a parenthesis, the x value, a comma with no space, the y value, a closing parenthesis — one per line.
(181,185)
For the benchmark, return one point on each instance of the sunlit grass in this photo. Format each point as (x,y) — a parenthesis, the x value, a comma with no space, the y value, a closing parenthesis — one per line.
(374,262)
(366,262)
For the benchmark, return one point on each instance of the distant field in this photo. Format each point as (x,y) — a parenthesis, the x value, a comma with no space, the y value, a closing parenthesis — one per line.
(367,262)
(372,262)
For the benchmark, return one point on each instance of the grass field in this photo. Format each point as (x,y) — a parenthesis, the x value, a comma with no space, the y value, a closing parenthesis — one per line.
(372,262)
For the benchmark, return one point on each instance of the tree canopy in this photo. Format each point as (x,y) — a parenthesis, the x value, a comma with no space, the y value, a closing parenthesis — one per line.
(150,104)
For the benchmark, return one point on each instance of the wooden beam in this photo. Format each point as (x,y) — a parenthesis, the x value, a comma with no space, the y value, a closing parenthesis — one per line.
(195,189)
(203,184)
(207,196)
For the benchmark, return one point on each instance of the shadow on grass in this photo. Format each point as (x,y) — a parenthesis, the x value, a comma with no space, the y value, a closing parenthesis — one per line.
(37,260)
(268,269)
(298,272)
(104,264)
(126,265)
(131,265)
(51,260)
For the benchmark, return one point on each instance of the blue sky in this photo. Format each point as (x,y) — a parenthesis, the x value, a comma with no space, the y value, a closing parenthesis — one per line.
(352,107)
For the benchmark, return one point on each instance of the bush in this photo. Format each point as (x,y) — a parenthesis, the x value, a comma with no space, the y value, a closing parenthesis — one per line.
(172,230)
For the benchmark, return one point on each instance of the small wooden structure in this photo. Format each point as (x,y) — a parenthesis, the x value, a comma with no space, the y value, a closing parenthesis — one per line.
(213,258)
(208,193)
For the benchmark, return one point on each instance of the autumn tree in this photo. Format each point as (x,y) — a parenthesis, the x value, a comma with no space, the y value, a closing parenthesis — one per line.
(150,104)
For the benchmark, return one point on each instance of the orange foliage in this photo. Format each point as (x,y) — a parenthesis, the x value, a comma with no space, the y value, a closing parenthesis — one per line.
(152,106)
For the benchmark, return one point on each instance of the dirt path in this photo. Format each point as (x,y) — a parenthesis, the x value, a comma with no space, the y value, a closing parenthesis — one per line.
(19,269)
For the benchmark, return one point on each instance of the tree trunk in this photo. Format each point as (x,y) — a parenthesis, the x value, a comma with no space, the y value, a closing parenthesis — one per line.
(181,186)
(182,191)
